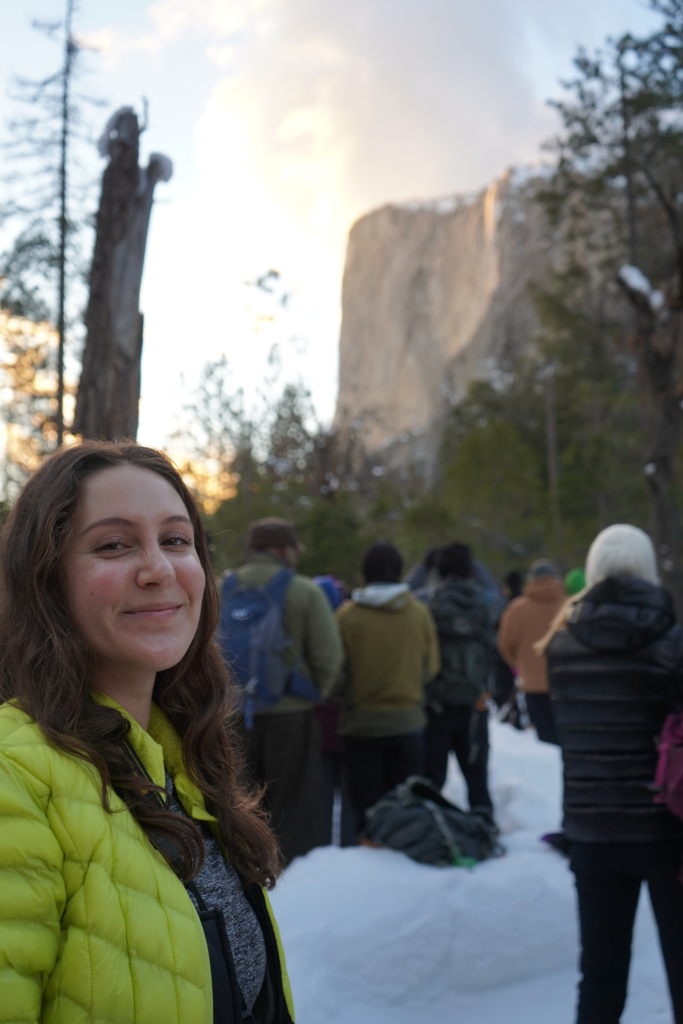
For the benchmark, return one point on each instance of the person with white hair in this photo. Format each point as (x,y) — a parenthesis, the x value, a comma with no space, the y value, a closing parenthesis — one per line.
(615,668)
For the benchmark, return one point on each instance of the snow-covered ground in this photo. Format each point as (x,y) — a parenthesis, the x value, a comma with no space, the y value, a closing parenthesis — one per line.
(372,937)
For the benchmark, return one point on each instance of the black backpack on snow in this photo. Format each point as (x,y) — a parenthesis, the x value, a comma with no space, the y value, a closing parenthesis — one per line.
(417,820)
(463,625)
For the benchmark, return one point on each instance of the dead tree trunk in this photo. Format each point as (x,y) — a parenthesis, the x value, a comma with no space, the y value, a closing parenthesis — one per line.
(657,341)
(109,388)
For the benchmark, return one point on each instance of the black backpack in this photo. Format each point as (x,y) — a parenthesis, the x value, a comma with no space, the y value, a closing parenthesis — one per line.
(416,819)
(463,625)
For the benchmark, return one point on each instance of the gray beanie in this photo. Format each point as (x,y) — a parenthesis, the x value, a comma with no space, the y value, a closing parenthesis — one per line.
(543,567)
(621,550)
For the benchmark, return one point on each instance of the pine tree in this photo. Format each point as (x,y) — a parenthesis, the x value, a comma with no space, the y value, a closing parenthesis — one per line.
(617,195)
(47,200)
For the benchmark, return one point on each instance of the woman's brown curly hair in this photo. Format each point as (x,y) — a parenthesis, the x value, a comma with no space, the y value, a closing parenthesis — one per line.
(47,668)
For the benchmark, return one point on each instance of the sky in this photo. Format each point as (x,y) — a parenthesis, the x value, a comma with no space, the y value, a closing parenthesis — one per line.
(286,120)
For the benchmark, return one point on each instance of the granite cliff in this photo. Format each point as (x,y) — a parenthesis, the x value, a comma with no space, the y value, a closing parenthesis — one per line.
(434,294)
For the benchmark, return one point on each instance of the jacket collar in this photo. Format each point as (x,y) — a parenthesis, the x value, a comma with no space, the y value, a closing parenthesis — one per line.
(545,588)
(621,614)
(263,558)
(160,750)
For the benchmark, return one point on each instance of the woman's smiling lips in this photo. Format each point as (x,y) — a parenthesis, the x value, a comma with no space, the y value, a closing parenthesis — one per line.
(155,611)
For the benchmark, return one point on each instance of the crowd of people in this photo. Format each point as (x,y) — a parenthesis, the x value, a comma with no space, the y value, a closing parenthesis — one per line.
(406,671)
(593,661)
(166,748)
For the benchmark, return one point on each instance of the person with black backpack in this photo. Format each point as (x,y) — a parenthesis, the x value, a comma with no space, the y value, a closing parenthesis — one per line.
(456,699)
(281,644)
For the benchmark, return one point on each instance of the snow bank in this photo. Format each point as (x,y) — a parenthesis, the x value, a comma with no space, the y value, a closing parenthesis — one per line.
(371,936)
(395,929)
(525,779)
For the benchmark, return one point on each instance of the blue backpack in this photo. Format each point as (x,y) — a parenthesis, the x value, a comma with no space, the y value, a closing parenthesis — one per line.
(254,644)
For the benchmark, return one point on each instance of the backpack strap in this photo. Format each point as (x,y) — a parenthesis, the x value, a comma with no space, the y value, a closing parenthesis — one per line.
(276,588)
(298,684)
(457,859)
(231,583)
(213,921)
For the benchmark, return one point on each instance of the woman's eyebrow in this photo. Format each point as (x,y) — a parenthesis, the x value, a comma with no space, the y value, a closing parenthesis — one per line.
(120,521)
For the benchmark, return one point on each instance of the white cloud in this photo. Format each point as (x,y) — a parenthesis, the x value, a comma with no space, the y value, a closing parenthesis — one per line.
(319,111)
(344,104)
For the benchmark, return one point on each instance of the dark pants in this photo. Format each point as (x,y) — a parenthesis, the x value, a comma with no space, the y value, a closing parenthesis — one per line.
(608,880)
(376,764)
(541,714)
(504,688)
(466,732)
(283,751)
(334,780)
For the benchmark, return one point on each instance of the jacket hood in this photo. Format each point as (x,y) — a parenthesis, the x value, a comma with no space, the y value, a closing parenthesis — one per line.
(621,615)
(544,588)
(389,596)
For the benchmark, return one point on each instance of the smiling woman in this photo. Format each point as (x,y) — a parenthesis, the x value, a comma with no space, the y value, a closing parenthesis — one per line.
(133,580)
(133,857)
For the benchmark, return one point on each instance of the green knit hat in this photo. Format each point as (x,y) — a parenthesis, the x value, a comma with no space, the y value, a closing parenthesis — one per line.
(575,580)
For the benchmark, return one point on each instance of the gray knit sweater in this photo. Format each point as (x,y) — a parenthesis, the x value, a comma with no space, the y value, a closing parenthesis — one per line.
(219,886)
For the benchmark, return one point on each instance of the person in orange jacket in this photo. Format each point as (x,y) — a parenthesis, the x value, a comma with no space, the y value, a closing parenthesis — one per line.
(524,622)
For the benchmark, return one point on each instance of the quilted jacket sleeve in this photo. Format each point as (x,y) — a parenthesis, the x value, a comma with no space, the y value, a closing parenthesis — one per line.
(32,894)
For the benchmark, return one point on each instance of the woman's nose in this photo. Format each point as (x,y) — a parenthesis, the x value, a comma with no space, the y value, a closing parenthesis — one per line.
(156,568)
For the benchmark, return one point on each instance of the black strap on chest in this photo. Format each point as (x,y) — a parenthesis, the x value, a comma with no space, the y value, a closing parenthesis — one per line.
(229,1005)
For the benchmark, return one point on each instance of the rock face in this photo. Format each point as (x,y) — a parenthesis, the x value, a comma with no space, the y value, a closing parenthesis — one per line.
(434,294)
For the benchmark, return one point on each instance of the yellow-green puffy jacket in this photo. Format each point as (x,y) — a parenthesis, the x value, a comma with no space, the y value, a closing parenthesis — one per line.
(94,924)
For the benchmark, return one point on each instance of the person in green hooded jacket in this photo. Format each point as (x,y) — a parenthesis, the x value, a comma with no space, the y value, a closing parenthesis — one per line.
(390,652)
(133,858)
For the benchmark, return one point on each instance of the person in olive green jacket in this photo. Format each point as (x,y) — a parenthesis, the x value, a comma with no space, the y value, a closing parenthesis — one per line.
(284,745)
(391,652)
(133,858)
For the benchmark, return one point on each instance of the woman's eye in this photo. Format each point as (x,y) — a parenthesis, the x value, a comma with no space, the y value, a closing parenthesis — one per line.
(178,540)
(110,545)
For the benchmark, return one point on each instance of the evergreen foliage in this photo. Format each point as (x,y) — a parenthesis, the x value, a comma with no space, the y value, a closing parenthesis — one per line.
(616,199)
(540,454)
(493,489)
(27,402)
(495,450)
(46,152)
(44,213)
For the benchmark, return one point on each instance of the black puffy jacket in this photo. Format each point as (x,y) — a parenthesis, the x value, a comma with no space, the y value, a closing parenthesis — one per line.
(615,673)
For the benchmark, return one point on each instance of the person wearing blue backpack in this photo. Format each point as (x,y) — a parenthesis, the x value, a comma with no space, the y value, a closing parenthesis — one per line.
(281,643)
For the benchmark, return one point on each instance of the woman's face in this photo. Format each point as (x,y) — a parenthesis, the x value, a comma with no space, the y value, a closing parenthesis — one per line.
(134,583)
